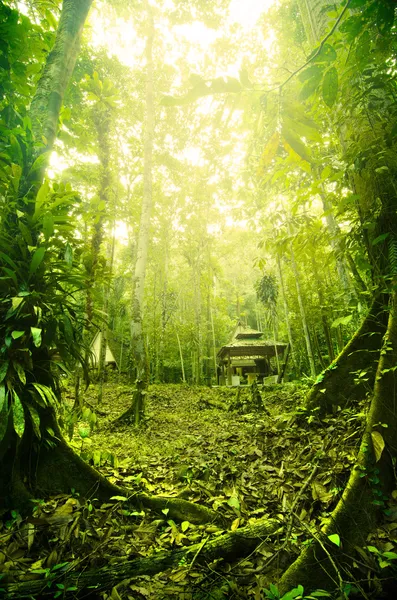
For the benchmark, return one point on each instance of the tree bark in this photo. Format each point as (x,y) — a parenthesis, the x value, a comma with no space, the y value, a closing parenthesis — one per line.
(47,101)
(138,285)
(360,355)
(359,508)
(286,310)
(309,347)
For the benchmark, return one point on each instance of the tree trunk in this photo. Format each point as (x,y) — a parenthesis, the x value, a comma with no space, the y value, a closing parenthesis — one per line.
(309,348)
(357,512)
(140,366)
(324,320)
(360,355)
(102,126)
(181,357)
(286,311)
(48,98)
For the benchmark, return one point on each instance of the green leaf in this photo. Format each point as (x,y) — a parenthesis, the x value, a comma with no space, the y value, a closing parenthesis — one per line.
(363,48)
(342,321)
(68,255)
(385,16)
(36,259)
(34,417)
(119,498)
(15,302)
(48,225)
(3,396)
(11,274)
(20,371)
(18,415)
(41,195)
(378,444)
(16,150)
(296,144)
(185,526)
(330,87)
(17,334)
(36,334)
(234,503)
(335,539)
(9,261)
(310,86)
(4,416)
(303,129)
(390,555)
(3,370)
(312,71)
(380,238)
(27,236)
(326,54)
(43,396)
(294,593)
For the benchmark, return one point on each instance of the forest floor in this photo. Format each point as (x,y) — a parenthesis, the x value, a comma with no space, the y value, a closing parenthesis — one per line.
(281,463)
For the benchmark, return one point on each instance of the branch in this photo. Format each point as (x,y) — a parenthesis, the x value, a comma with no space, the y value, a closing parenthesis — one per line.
(338,20)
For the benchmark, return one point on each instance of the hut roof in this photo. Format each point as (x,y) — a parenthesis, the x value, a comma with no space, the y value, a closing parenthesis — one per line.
(119,351)
(248,342)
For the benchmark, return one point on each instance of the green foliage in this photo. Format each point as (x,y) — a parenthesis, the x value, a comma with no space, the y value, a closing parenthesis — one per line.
(297,593)
(267,290)
(40,320)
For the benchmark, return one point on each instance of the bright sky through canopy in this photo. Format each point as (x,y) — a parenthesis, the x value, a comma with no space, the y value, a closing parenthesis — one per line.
(247,12)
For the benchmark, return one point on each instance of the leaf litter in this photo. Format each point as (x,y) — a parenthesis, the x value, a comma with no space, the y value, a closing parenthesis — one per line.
(280,462)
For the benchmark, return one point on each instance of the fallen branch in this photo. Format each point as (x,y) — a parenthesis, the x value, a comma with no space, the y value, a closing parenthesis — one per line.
(233,544)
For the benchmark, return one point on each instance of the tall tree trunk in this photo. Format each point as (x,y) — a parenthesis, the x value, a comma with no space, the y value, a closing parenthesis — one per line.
(105,325)
(139,353)
(324,320)
(286,310)
(102,125)
(308,342)
(47,101)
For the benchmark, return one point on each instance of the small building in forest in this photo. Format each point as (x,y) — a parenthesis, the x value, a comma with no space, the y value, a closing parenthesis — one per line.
(248,357)
(117,352)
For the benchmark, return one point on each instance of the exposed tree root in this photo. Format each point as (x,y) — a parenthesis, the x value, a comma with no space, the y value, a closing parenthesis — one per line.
(59,469)
(62,469)
(135,412)
(322,564)
(361,354)
(229,546)
(215,403)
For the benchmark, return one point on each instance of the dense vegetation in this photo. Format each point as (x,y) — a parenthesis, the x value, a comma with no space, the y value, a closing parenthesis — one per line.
(168,170)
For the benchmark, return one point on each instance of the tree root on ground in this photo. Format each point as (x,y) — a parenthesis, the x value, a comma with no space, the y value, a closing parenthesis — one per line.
(60,469)
(361,354)
(229,546)
(323,564)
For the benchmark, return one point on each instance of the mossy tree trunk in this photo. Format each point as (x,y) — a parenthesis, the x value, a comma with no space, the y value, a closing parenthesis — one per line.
(322,564)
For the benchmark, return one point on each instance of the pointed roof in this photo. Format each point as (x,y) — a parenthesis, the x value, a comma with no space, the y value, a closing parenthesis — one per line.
(249,342)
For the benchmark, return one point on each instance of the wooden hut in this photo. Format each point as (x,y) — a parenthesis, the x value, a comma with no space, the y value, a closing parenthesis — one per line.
(248,357)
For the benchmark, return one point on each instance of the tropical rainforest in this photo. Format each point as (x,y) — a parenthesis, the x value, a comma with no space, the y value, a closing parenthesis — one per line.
(198,299)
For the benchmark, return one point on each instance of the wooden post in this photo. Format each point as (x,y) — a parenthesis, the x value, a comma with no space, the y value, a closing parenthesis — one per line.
(229,370)
(282,372)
